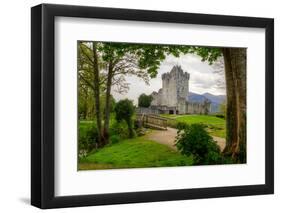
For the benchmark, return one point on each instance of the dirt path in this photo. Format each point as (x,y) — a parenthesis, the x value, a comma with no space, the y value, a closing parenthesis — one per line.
(168,138)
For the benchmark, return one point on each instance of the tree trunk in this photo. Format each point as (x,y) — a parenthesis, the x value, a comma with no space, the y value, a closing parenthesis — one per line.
(97,95)
(107,103)
(231,104)
(235,75)
(239,67)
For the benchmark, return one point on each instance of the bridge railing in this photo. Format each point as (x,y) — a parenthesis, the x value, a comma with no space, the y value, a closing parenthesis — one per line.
(153,121)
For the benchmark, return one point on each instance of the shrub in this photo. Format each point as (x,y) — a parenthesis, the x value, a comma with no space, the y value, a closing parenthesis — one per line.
(88,135)
(181,125)
(114,139)
(194,140)
(119,128)
(124,110)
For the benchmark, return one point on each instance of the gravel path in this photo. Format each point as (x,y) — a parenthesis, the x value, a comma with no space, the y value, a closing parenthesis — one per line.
(168,138)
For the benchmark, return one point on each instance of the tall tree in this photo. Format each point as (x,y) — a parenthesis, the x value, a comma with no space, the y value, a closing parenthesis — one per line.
(235,79)
(235,74)
(119,62)
(89,66)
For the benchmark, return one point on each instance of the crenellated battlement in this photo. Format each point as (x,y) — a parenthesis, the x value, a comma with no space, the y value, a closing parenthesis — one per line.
(176,73)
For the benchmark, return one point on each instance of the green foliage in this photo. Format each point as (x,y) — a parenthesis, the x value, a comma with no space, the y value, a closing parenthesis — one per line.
(112,103)
(124,110)
(134,153)
(181,125)
(119,128)
(85,102)
(194,140)
(114,139)
(209,54)
(87,136)
(144,100)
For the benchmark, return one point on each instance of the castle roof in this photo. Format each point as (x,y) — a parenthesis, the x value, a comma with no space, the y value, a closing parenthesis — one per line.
(176,71)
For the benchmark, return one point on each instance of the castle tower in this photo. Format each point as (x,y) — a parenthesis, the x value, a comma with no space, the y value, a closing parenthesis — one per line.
(175,85)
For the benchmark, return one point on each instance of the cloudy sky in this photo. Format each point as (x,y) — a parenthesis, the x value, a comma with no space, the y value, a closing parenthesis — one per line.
(203,78)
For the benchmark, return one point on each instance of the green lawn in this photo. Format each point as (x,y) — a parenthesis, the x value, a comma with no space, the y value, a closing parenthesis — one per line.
(134,153)
(216,126)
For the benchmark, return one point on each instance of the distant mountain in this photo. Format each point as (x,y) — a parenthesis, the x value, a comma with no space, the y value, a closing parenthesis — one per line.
(215,100)
(193,97)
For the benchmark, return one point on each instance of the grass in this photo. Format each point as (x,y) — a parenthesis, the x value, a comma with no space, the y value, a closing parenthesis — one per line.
(216,126)
(134,153)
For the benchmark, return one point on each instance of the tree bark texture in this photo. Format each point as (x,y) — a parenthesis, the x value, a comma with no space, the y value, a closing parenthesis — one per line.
(235,76)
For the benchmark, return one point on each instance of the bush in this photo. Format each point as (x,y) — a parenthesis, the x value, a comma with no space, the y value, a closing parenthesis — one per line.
(88,136)
(124,110)
(194,140)
(181,125)
(114,139)
(119,128)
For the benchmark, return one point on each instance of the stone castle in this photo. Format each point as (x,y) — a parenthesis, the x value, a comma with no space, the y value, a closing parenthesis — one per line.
(172,98)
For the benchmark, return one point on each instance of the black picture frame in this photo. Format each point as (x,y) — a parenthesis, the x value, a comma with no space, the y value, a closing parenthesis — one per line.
(43,117)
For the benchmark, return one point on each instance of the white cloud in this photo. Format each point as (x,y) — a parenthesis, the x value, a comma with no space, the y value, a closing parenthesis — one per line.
(202,78)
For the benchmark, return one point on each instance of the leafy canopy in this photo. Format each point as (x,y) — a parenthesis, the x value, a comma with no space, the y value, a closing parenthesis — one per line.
(150,56)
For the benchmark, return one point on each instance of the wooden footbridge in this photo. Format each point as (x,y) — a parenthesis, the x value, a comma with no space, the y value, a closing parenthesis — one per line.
(152,121)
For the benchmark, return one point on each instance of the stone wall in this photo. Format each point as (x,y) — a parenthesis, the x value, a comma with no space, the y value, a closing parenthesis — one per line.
(198,108)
